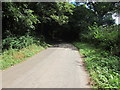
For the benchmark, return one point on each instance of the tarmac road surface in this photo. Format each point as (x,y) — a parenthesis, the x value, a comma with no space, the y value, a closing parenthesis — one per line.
(56,67)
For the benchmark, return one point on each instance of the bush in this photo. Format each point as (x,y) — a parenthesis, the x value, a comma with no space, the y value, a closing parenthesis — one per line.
(21,42)
(105,36)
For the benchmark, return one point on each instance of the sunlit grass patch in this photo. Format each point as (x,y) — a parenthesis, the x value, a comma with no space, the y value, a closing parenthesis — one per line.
(13,56)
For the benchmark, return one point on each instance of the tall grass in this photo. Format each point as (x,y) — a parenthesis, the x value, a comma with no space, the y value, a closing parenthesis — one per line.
(103,67)
(13,56)
(17,49)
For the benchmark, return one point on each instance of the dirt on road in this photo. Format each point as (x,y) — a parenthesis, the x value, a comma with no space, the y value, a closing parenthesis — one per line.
(59,66)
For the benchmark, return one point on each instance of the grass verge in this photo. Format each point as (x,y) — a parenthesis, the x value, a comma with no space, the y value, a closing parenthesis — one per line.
(13,56)
(104,68)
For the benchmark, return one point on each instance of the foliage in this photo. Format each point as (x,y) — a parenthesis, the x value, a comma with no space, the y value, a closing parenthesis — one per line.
(103,67)
(13,56)
(101,9)
(22,19)
(26,26)
(21,42)
(107,37)
(17,49)
(64,9)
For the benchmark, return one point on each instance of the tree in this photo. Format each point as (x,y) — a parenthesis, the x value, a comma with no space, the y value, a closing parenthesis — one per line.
(17,19)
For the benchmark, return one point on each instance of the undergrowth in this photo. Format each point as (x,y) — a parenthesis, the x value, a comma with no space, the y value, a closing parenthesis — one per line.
(13,56)
(17,49)
(102,66)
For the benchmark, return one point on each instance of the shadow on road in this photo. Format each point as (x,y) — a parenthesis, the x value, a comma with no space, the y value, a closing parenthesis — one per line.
(63,45)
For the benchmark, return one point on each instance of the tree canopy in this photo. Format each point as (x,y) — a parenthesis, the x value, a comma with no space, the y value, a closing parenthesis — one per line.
(35,23)
(63,20)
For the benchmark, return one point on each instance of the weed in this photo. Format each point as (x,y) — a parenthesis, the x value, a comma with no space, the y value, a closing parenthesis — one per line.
(13,56)
(102,66)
